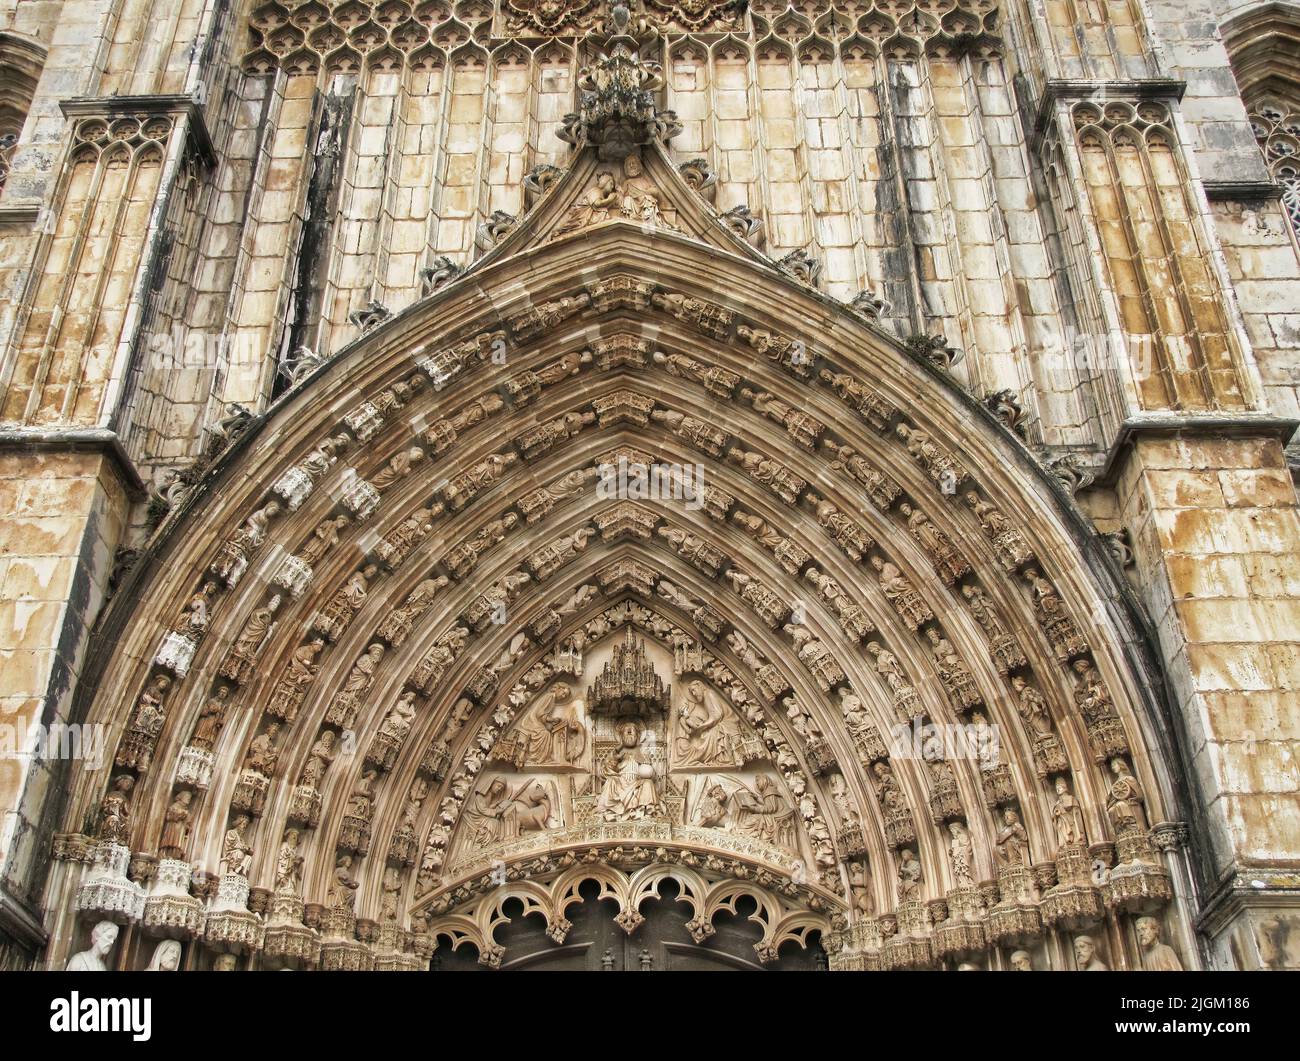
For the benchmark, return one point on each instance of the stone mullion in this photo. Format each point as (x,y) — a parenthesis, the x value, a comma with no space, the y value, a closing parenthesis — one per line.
(900,261)
(1117,385)
(60,285)
(780,150)
(383,288)
(692,105)
(836,229)
(945,301)
(551,105)
(1056,393)
(212,291)
(862,111)
(105,324)
(461,152)
(276,202)
(424,93)
(982,272)
(746,187)
(506,146)
(856,219)
(158,313)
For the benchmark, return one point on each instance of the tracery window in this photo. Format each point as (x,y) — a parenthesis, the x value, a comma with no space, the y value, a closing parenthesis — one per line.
(21,61)
(1277,130)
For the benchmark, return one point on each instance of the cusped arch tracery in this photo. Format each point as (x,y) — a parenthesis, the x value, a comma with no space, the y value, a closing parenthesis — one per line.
(434,420)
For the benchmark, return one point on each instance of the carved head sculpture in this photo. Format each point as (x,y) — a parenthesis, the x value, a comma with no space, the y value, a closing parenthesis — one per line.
(1021,962)
(696,690)
(1062,788)
(166,957)
(562,690)
(1148,931)
(102,938)
(1085,950)
(224,963)
(629,735)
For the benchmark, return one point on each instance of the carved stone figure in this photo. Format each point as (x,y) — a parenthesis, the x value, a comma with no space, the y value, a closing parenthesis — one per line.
(899,592)
(176,825)
(1007,653)
(1085,955)
(631,786)
(322,540)
(497,814)
(1012,839)
(860,888)
(1022,962)
(115,811)
(1067,816)
(288,864)
(241,661)
(397,625)
(342,893)
(764,813)
(553,732)
(961,854)
(166,957)
(236,852)
(93,959)
(194,621)
(1157,956)
(263,756)
(212,717)
(289,691)
(705,734)
(909,876)
(323,752)
(1125,802)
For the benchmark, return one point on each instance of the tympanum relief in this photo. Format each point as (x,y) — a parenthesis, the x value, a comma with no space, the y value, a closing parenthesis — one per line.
(631,752)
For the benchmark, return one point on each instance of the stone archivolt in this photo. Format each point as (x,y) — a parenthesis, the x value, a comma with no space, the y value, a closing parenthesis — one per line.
(364,736)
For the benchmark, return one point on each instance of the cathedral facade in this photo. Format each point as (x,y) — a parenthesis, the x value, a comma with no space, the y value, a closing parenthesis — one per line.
(512,484)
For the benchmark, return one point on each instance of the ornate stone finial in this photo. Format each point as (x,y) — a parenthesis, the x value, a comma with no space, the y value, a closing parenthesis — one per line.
(1005,405)
(1072,476)
(700,176)
(869,304)
(742,222)
(629,684)
(371,317)
(494,229)
(539,180)
(1120,545)
(300,364)
(802,266)
(617,112)
(442,272)
(934,349)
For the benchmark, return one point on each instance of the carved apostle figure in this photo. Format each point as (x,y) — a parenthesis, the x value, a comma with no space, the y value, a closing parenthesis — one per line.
(553,730)
(1085,955)
(1157,957)
(397,723)
(860,888)
(92,959)
(195,619)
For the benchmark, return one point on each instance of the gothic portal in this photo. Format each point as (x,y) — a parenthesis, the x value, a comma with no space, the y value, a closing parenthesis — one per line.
(649,486)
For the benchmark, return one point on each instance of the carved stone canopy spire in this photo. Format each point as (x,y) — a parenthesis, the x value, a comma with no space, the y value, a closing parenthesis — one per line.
(617,106)
(629,684)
